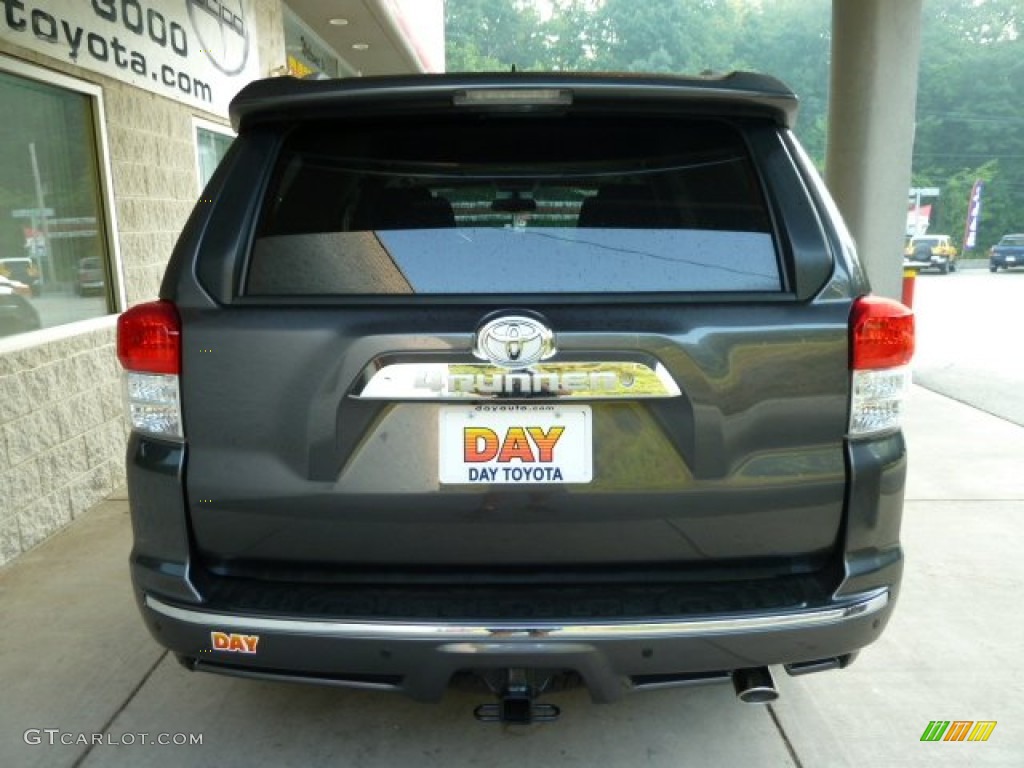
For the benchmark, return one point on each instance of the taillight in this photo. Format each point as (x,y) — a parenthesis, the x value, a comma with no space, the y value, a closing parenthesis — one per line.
(882,332)
(881,347)
(149,338)
(149,350)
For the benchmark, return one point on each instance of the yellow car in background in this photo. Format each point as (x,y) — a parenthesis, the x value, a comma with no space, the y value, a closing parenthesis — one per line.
(22,269)
(930,252)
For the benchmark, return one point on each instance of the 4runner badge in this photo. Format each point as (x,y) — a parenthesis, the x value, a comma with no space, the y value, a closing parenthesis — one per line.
(514,342)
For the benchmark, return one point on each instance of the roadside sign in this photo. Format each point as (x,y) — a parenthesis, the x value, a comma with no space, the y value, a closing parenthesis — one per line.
(32,213)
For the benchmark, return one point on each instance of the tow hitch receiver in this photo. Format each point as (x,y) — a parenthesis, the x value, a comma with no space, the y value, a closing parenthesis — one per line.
(517,703)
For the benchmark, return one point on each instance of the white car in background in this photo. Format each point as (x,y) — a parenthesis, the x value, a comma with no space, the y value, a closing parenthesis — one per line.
(17,315)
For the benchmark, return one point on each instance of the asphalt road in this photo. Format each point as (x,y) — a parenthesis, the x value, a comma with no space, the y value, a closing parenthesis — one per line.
(969,325)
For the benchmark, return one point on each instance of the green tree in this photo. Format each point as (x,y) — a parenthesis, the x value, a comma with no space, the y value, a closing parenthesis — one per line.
(667,36)
(493,35)
(791,39)
(970,113)
(572,35)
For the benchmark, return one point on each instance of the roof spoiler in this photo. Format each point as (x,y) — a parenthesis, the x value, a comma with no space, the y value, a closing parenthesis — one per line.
(288,98)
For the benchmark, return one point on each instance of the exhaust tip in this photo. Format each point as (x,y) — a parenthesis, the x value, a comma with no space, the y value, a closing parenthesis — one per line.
(755,685)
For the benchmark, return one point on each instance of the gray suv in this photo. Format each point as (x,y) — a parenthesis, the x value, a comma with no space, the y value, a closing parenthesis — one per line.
(517,378)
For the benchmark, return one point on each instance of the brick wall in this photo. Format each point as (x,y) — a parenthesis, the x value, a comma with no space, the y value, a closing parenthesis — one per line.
(62,431)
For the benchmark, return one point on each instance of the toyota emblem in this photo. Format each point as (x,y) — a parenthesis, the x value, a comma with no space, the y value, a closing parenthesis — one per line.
(514,342)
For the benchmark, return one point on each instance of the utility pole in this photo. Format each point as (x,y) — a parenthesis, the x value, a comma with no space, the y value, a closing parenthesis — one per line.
(47,260)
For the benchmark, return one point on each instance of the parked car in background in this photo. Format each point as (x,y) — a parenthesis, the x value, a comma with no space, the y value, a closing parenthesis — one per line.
(930,252)
(23,269)
(17,315)
(90,277)
(1007,253)
(534,377)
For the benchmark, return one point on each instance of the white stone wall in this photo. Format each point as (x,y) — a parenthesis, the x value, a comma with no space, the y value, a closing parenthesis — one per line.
(62,430)
(62,436)
(153,169)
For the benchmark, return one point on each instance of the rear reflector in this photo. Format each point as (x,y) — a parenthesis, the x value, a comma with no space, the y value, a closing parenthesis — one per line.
(881,347)
(149,349)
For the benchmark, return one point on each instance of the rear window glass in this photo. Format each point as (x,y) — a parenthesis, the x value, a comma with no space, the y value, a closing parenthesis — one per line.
(504,205)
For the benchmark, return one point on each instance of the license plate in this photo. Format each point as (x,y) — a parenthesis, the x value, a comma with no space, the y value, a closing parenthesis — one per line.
(1011,258)
(515,444)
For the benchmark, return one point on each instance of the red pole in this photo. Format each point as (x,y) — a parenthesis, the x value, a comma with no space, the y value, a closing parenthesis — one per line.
(909,275)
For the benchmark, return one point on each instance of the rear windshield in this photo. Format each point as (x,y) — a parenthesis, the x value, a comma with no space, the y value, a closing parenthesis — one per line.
(506,205)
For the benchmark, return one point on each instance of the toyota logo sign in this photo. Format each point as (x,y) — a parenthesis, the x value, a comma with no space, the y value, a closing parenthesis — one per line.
(514,342)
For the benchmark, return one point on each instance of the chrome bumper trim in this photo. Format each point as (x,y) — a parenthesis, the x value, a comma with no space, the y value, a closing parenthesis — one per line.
(859,606)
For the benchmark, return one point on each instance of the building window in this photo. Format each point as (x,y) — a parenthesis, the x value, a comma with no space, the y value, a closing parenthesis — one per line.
(212,142)
(55,261)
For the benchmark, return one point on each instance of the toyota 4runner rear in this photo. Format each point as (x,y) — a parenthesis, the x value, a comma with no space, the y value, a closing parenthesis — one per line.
(930,251)
(530,377)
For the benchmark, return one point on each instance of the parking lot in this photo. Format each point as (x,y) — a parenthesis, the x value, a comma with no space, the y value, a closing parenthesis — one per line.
(966,338)
(59,307)
(77,666)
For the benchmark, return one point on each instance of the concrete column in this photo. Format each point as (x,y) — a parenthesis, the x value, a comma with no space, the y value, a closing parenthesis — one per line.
(875,50)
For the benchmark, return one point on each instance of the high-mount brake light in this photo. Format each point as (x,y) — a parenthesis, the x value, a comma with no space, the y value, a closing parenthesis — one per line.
(513,97)
(881,347)
(149,350)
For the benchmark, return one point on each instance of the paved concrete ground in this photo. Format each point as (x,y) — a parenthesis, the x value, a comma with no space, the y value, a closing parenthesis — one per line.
(968,339)
(74,657)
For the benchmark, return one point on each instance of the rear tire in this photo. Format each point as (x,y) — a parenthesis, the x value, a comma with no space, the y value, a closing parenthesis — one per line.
(993,268)
(944,268)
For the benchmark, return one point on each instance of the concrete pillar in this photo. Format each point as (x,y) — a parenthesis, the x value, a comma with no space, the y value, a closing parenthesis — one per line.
(875,50)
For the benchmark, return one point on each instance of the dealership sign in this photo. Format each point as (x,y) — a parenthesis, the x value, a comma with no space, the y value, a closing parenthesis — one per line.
(199,52)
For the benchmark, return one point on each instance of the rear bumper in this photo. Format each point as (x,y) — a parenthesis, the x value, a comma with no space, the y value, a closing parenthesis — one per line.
(934,261)
(1007,260)
(318,640)
(419,658)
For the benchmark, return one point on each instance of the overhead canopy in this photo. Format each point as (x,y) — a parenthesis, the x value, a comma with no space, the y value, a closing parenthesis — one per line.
(378,37)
